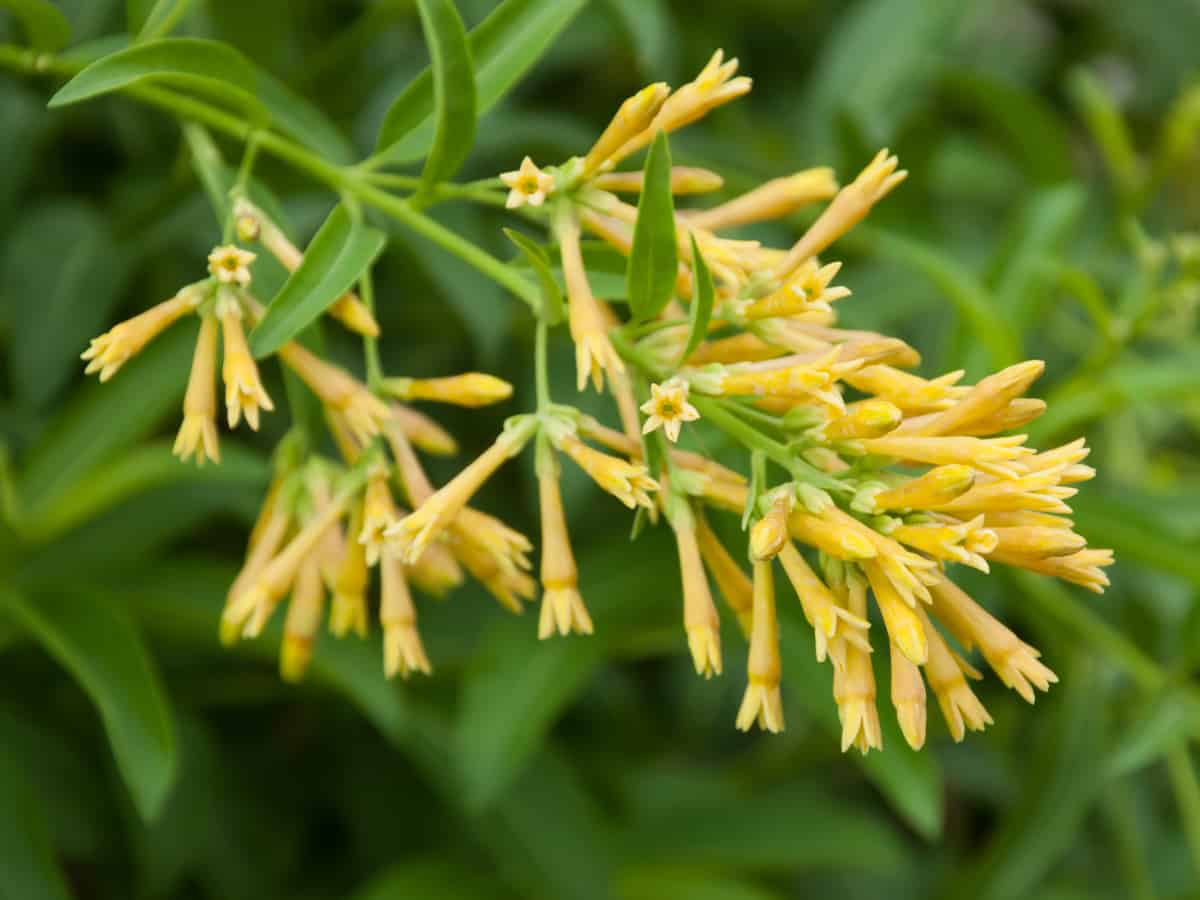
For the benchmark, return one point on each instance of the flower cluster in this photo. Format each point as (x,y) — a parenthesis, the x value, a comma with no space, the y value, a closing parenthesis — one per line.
(868,482)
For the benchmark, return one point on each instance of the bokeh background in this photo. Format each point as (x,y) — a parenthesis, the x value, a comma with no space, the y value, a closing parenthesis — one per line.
(1052,211)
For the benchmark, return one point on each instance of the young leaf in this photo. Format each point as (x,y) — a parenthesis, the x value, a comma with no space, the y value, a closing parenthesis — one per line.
(341,251)
(503,47)
(219,72)
(653,261)
(44,23)
(99,645)
(453,89)
(552,299)
(702,303)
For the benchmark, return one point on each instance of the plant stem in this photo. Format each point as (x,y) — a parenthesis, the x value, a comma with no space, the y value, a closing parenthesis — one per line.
(353,181)
(366,289)
(541,369)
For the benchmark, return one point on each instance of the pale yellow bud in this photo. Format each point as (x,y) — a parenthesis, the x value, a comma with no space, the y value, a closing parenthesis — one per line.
(900,618)
(684,180)
(632,118)
(471,389)
(908,698)
(349,608)
(700,619)
(770,533)
(403,652)
(775,199)
(426,434)
(563,609)
(365,414)
(628,482)
(865,419)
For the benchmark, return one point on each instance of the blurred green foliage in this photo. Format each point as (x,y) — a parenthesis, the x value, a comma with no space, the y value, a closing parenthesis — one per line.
(1053,211)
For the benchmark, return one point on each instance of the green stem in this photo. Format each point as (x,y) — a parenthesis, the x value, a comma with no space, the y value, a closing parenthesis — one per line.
(366,288)
(541,369)
(347,180)
(1187,795)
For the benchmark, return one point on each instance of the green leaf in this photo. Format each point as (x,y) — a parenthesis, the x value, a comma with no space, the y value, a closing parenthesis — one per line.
(339,254)
(158,20)
(509,700)
(65,256)
(100,646)
(553,310)
(1164,722)
(26,855)
(104,418)
(139,470)
(430,879)
(453,90)
(217,71)
(503,47)
(657,882)
(653,261)
(701,308)
(1031,127)
(1045,821)
(776,829)
(44,23)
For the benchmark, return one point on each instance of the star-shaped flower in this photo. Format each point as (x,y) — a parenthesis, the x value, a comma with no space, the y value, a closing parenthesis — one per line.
(230,264)
(528,184)
(669,408)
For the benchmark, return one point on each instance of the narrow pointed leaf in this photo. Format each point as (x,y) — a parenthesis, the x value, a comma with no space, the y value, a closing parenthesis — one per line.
(100,646)
(453,89)
(217,71)
(552,299)
(161,18)
(702,303)
(653,260)
(342,250)
(45,25)
(503,47)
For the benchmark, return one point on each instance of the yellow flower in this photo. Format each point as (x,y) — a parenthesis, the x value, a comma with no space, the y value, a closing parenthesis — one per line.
(700,619)
(770,533)
(244,392)
(628,482)
(365,413)
(774,199)
(594,352)
(734,584)
(848,208)
(403,652)
(414,532)
(631,119)
(471,389)
(829,619)
(108,352)
(960,707)
(908,697)
(348,611)
(303,620)
(684,180)
(668,407)
(425,433)
(562,606)
(854,682)
(762,702)
(230,265)
(528,184)
(379,514)
(198,433)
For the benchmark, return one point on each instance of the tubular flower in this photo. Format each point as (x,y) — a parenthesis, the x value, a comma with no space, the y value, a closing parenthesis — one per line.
(107,353)
(867,482)
(562,606)
(244,394)
(198,433)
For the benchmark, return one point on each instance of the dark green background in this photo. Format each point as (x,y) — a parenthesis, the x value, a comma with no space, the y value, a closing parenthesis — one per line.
(1053,185)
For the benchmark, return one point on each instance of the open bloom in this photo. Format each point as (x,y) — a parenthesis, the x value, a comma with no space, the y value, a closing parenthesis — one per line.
(231,265)
(528,184)
(668,407)
(244,393)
